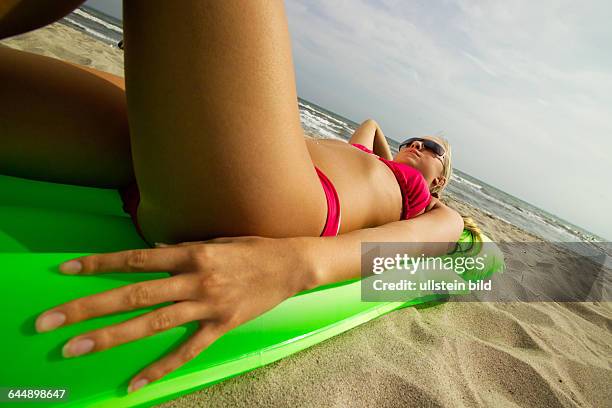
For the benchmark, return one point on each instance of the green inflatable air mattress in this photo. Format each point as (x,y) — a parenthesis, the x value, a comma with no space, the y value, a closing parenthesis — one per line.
(43,224)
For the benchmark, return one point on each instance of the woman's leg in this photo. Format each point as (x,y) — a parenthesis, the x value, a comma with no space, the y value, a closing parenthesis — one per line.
(62,123)
(215,130)
(19,16)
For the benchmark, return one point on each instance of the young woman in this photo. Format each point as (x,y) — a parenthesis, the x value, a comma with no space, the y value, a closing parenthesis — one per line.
(215,151)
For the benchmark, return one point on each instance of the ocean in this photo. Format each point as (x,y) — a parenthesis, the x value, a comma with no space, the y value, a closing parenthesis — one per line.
(317,120)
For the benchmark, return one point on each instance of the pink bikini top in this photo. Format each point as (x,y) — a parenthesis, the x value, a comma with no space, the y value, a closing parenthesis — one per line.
(415,191)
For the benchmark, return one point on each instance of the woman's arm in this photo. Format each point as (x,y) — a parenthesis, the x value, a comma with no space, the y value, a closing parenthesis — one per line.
(334,259)
(371,136)
(213,282)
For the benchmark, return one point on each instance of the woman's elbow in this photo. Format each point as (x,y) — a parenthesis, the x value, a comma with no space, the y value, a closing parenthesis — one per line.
(449,224)
(455,225)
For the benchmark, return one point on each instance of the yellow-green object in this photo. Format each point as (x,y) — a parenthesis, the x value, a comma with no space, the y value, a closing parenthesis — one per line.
(43,224)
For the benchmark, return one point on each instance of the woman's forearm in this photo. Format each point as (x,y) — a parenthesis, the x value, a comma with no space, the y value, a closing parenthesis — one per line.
(371,136)
(381,147)
(335,259)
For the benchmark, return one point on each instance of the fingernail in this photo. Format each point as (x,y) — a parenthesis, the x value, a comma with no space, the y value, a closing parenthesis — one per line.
(78,348)
(50,321)
(71,267)
(136,385)
(161,244)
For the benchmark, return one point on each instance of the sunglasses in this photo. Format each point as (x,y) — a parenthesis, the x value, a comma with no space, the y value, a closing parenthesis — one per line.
(435,147)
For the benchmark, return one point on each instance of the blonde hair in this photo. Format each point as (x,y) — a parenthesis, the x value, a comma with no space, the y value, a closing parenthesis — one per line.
(447,171)
(447,166)
(470,225)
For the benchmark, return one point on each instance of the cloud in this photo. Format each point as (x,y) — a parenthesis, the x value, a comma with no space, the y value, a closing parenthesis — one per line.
(522,89)
(480,64)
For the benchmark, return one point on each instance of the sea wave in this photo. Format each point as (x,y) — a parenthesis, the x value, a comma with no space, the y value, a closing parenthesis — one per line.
(90,31)
(108,25)
(465,181)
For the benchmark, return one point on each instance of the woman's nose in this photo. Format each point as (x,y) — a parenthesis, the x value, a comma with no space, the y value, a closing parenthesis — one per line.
(417,144)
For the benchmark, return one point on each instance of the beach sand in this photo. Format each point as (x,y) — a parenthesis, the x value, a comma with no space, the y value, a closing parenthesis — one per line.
(512,354)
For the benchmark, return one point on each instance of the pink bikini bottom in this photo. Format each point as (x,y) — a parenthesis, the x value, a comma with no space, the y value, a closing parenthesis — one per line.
(131,198)
(332,225)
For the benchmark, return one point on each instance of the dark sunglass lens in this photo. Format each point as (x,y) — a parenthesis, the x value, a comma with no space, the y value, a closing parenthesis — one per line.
(408,142)
(435,147)
(429,144)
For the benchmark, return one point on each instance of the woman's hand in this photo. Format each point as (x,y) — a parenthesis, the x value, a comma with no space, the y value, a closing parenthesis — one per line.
(221,283)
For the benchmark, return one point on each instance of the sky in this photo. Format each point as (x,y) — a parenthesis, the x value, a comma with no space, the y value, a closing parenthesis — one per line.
(521,89)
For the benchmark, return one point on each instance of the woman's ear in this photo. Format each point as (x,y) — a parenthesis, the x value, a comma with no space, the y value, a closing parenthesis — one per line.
(438,181)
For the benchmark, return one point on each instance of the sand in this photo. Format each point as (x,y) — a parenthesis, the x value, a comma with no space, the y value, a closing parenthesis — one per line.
(543,354)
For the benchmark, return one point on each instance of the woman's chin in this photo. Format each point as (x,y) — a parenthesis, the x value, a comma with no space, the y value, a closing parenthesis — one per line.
(405,159)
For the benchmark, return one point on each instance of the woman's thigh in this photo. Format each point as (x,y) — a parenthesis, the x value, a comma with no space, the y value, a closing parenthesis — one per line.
(62,123)
(217,144)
